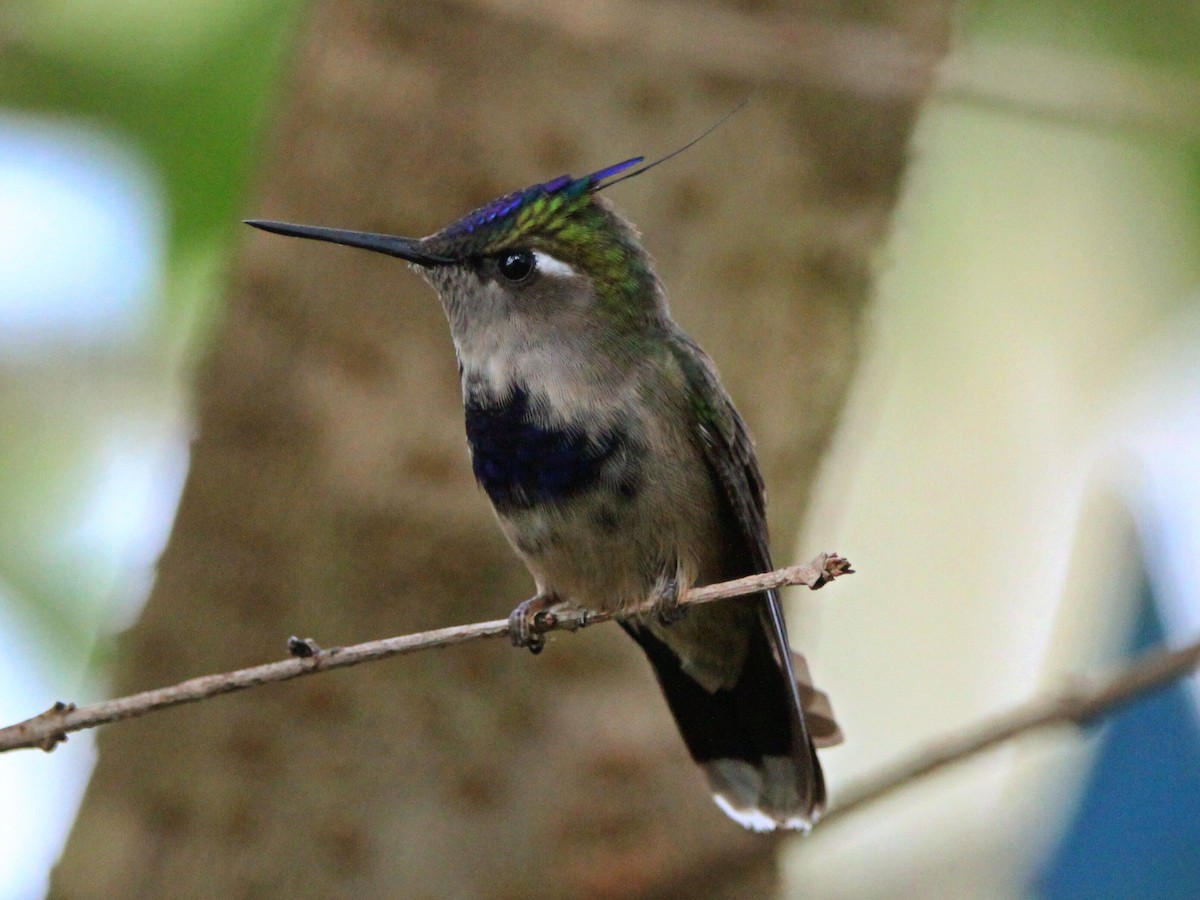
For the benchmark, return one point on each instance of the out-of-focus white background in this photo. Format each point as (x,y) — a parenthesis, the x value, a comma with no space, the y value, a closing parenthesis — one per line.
(1023,441)
(1016,479)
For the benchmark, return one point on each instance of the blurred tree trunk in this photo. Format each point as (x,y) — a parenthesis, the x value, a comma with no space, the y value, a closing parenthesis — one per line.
(330,493)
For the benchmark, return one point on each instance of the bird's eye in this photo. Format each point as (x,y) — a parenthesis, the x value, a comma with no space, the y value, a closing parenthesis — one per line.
(516,265)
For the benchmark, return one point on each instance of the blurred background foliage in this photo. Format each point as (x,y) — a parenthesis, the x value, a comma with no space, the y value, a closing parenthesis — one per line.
(128,138)
(128,133)
(1158,32)
(148,118)
(184,88)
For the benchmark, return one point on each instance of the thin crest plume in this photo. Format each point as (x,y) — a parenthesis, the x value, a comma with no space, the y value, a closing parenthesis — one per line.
(535,204)
(565,186)
(613,170)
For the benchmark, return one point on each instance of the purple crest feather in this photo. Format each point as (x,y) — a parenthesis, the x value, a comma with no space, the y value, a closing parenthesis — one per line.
(505,206)
(510,203)
(595,178)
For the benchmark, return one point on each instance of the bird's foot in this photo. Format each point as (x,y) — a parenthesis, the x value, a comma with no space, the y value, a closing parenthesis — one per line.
(530,621)
(665,602)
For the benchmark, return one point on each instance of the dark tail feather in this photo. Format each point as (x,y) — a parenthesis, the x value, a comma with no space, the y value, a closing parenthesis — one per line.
(750,739)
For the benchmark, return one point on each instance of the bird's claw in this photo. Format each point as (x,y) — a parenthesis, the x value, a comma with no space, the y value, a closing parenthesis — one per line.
(667,608)
(530,621)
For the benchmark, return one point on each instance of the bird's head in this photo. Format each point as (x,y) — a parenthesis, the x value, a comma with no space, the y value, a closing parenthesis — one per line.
(555,251)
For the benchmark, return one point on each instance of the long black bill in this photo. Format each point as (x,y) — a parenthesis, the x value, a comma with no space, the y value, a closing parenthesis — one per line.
(402,247)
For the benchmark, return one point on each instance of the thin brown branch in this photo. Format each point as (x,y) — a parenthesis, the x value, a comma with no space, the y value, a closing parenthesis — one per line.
(49,728)
(1077,706)
(1072,707)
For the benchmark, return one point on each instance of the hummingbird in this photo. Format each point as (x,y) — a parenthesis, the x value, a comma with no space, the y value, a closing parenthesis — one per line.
(619,469)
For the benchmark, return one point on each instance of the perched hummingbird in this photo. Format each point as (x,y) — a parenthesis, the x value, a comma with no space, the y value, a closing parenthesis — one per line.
(619,469)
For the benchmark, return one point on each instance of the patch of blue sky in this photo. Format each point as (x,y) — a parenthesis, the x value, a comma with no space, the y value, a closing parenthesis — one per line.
(81,259)
(81,236)
(41,791)
(1164,436)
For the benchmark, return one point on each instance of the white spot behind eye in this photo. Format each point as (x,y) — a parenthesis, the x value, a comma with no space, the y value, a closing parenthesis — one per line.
(556,268)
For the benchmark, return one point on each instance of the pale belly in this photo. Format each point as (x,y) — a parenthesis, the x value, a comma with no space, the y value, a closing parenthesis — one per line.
(608,549)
